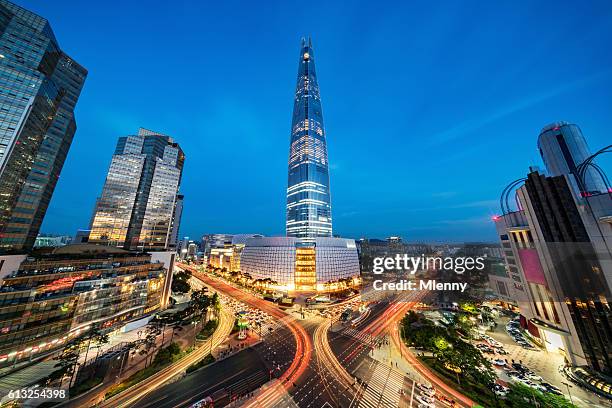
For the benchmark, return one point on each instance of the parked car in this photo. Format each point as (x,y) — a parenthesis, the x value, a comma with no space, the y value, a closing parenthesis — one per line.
(423,399)
(425,387)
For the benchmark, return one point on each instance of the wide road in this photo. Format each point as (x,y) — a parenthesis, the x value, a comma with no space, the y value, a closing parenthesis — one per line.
(130,396)
(302,345)
(382,385)
(225,380)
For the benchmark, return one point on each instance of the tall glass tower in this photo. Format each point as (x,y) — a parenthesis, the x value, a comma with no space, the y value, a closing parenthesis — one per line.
(140,206)
(563,147)
(308,195)
(39,89)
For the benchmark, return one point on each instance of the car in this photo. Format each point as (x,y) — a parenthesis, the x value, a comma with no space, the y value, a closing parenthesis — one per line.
(500,350)
(425,388)
(205,402)
(549,385)
(421,405)
(499,387)
(429,393)
(423,399)
(527,346)
(446,401)
(551,388)
(499,362)
(555,390)
(534,377)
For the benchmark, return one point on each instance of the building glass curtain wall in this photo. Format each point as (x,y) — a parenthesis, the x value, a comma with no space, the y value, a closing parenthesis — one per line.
(39,88)
(563,148)
(289,265)
(138,205)
(308,194)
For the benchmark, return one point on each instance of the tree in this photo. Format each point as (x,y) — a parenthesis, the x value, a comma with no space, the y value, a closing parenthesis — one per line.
(521,395)
(180,282)
(200,302)
(67,361)
(215,303)
(149,341)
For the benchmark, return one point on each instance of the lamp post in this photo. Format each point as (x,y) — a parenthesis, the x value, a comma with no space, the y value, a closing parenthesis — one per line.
(568,391)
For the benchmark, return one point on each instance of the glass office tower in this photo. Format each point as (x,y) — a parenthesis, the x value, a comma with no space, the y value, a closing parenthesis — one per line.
(139,201)
(563,148)
(308,195)
(39,88)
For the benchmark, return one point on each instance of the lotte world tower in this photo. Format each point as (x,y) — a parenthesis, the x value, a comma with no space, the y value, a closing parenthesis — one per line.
(308,259)
(308,195)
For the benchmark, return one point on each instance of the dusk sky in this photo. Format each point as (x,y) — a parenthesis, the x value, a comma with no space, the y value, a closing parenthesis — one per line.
(430,108)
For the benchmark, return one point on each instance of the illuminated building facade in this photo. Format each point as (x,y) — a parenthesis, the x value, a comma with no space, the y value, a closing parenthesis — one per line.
(57,297)
(557,247)
(39,88)
(140,206)
(308,196)
(290,266)
(307,259)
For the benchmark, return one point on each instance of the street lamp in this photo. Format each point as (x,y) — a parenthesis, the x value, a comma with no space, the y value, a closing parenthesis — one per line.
(568,391)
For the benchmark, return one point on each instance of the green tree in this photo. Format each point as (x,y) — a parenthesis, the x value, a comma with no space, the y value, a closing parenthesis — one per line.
(180,282)
(521,395)
(67,362)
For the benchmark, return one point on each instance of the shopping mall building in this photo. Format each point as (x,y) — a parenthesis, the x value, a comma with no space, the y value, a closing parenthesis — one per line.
(328,264)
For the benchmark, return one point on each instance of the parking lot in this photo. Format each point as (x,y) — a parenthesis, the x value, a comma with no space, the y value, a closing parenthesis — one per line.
(541,363)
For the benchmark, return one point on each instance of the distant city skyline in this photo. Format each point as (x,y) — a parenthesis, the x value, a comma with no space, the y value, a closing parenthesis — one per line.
(427,108)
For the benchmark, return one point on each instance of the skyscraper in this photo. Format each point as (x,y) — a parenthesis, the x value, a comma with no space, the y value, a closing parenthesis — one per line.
(307,259)
(557,249)
(563,148)
(140,206)
(39,88)
(308,195)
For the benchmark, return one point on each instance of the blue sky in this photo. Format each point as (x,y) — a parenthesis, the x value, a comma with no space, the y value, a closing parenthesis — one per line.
(430,108)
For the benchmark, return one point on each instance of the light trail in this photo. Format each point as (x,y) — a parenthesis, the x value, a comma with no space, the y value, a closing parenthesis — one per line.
(138,391)
(303,350)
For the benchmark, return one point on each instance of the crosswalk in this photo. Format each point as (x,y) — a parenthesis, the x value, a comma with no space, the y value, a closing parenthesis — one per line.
(274,395)
(246,384)
(383,389)
(363,337)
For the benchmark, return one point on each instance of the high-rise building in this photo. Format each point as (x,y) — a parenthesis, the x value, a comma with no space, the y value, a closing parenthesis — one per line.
(558,252)
(308,196)
(39,88)
(53,298)
(176,221)
(308,259)
(139,207)
(563,148)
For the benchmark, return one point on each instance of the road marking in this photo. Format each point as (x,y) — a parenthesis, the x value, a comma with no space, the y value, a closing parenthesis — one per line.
(412,393)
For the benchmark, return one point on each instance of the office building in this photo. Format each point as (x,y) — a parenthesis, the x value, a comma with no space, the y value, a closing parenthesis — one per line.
(176,221)
(54,298)
(563,148)
(558,251)
(139,206)
(40,86)
(43,241)
(308,196)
